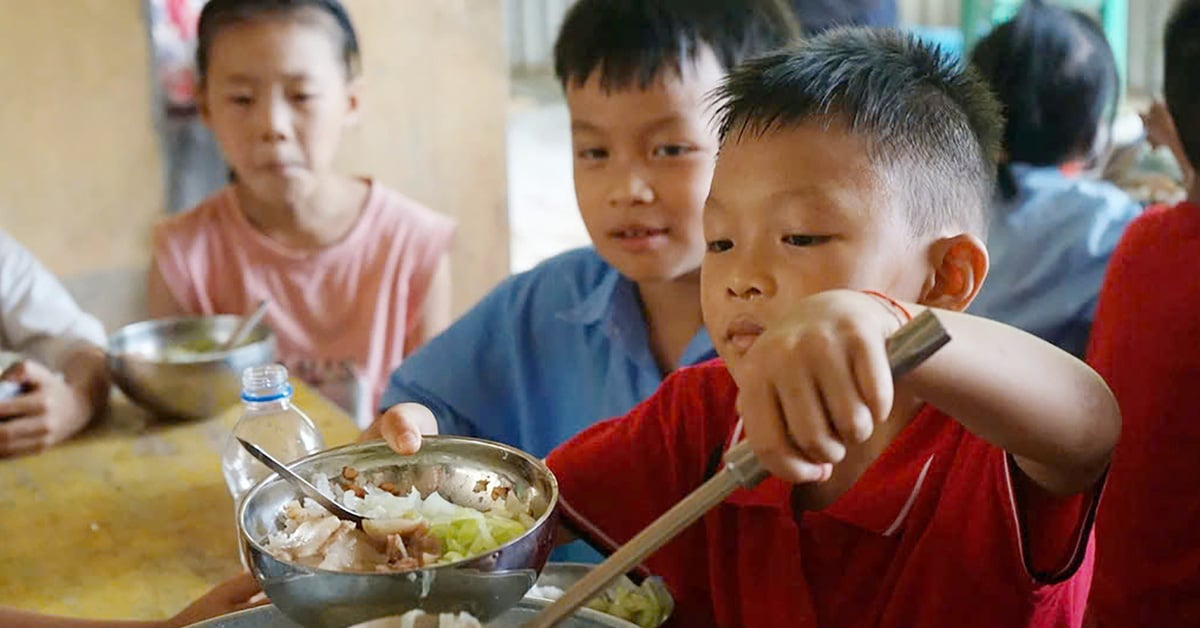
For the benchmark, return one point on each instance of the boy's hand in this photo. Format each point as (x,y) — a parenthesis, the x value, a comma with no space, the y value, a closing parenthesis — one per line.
(48,411)
(237,593)
(402,426)
(1161,131)
(1160,127)
(817,379)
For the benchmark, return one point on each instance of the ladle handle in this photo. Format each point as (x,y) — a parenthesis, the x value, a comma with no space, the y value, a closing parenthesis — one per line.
(911,345)
(246,326)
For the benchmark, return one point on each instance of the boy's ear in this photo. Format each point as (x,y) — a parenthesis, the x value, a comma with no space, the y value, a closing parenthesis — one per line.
(201,98)
(354,91)
(958,267)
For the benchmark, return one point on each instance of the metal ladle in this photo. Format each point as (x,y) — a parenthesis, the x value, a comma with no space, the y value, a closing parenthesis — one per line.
(303,485)
(911,345)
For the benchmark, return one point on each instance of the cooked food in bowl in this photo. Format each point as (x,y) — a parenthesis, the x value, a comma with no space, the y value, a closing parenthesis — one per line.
(465,472)
(189,349)
(402,532)
(641,605)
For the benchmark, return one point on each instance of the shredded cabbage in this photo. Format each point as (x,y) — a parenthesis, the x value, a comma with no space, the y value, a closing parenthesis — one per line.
(634,604)
(460,532)
(624,600)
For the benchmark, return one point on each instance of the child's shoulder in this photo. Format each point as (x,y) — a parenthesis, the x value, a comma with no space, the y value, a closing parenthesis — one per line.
(1182,218)
(1051,190)
(394,211)
(568,280)
(211,216)
(1160,234)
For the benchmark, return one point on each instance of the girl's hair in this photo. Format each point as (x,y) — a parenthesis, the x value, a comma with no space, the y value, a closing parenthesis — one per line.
(1056,77)
(219,14)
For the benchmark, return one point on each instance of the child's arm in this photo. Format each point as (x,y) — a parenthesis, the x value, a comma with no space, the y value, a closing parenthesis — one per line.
(235,594)
(1161,131)
(159,301)
(54,407)
(821,378)
(435,310)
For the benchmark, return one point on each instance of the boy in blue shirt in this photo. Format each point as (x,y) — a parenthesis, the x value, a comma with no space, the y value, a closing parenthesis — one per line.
(588,334)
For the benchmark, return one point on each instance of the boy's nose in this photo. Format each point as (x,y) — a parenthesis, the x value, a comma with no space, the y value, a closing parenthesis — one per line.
(630,189)
(274,122)
(749,282)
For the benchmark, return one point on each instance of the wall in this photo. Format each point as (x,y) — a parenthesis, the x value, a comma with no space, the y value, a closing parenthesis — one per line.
(532,25)
(81,175)
(436,102)
(78,156)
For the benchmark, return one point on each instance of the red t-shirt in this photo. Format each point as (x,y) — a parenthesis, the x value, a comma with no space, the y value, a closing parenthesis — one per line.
(1146,344)
(928,536)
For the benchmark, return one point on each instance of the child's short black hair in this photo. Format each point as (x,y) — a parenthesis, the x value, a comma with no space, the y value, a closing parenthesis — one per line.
(1181,83)
(1056,78)
(932,127)
(218,14)
(632,41)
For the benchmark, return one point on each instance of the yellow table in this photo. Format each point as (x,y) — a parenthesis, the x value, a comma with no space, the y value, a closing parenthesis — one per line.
(131,519)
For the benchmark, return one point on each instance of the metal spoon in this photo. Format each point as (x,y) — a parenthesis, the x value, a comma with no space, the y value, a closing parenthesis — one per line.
(336,509)
(908,347)
(245,327)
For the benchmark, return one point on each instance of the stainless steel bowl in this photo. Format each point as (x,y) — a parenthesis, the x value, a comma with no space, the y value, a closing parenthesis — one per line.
(184,386)
(456,467)
(524,612)
(519,615)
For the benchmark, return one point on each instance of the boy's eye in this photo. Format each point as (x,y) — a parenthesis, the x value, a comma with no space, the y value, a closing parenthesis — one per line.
(672,150)
(805,240)
(592,154)
(241,100)
(719,246)
(303,97)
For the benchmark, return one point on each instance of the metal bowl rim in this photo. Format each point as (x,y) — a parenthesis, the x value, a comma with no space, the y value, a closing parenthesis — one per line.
(551,507)
(158,323)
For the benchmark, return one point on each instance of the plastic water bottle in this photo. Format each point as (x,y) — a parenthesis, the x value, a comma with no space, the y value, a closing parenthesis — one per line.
(270,421)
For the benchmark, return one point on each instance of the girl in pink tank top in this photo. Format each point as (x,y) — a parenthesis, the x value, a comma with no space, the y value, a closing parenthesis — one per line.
(357,275)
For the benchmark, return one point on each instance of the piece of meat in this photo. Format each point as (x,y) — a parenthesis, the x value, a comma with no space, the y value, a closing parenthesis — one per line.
(395,548)
(380,529)
(308,538)
(358,491)
(422,543)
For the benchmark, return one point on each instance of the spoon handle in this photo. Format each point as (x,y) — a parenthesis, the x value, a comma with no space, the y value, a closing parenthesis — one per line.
(906,349)
(247,325)
(310,491)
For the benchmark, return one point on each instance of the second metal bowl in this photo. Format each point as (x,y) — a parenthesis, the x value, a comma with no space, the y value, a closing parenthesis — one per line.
(185,386)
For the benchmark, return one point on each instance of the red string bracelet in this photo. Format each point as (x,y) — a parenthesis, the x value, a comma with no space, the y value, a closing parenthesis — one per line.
(890,301)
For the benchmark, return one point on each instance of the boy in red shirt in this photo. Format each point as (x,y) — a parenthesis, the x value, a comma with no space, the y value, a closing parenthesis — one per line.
(961,495)
(1145,343)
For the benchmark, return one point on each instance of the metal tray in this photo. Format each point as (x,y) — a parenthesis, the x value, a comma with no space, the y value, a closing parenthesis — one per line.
(524,611)
(561,575)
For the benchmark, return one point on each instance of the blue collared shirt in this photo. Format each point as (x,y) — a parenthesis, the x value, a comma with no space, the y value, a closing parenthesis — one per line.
(1049,248)
(546,354)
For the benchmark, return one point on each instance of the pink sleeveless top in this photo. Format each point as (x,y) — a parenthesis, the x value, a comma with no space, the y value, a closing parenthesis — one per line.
(351,303)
